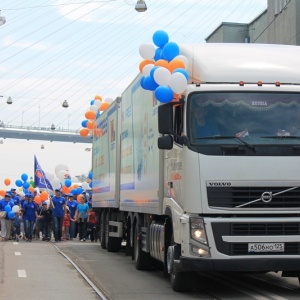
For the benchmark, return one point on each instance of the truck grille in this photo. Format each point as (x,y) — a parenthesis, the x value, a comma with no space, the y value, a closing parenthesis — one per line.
(254,229)
(231,197)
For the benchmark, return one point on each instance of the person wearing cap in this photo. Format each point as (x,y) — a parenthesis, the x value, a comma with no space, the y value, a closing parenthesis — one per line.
(58,203)
(46,213)
(6,223)
(14,197)
(72,207)
(30,216)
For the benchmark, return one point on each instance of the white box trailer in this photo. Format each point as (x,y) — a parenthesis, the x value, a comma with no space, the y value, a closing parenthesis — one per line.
(207,200)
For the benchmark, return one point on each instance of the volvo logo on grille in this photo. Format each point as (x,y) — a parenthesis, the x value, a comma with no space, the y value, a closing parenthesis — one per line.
(266,197)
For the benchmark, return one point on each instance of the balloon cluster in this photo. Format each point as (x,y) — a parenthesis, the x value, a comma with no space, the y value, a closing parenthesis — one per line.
(89,124)
(62,179)
(27,186)
(164,69)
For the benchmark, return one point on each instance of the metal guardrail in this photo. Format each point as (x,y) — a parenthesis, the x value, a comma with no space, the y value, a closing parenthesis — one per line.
(38,128)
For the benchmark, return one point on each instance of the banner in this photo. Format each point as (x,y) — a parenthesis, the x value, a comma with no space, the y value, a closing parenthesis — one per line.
(40,179)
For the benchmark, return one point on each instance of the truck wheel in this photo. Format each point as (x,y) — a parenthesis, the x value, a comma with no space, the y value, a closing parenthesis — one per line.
(102,230)
(180,281)
(142,259)
(113,244)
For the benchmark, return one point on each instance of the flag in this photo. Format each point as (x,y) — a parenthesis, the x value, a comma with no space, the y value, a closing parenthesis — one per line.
(40,179)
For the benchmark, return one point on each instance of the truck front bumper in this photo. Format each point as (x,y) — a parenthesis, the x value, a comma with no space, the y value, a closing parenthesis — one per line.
(237,265)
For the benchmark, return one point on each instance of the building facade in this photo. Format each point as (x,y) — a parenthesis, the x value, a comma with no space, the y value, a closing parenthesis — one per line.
(278,24)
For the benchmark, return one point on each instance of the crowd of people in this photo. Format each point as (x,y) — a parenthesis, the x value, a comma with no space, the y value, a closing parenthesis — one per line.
(60,218)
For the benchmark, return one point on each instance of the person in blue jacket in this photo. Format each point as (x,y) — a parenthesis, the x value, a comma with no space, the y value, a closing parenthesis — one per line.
(6,223)
(58,204)
(72,208)
(14,197)
(30,215)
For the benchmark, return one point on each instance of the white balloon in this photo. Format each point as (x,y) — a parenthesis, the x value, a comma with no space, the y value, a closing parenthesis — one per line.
(178,83)
(85,185)
(94,108)
(55,183)
(61,167)
(184,59)
(74,179)
(147,51)
(162,76)
(48,202)
(49,176)
(97,103)
(63,175)
(109,100)
(146,70)
(15,208)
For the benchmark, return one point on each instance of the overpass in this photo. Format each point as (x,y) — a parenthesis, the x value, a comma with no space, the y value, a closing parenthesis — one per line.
(42,134)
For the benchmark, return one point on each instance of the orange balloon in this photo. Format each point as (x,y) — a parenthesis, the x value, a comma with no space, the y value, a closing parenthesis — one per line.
(75,186)
(145,62)
(84,132)
(65,189)
(104,106)
(38,199)
(175,64)
(31,189)
(176,98)
(2,193)
(90,124)
(44,195)
(78,198)
(97,97)
(7,181)
(162,63)
(90,115)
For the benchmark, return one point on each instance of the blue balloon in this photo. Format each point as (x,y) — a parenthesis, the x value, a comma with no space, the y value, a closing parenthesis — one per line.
(160,38)
(90,175)
(24,177)
(91,184)
(182,71)
(79,190)
(83,123)
(152,72)
(150,84)
(11,215)
(164,94)
(19,183)
(92,102)
(170,51)
(7,208)
(142,83)
(26,185)
(68,182)
(74,191)
(157,55)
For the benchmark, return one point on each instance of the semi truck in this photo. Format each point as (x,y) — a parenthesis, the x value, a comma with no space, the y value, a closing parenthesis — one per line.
(190,197)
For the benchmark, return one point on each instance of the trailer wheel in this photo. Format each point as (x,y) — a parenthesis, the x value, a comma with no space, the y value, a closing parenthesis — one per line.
(102,230)
(143,260)
(180,281)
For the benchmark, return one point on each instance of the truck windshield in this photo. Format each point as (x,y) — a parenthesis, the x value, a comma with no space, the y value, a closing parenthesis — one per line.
(267,118)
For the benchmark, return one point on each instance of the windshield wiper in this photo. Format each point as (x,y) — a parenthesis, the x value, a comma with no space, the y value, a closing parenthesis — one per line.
(281,137)
(218,137)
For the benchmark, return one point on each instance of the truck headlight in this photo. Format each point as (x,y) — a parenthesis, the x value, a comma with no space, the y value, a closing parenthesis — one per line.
(197,230)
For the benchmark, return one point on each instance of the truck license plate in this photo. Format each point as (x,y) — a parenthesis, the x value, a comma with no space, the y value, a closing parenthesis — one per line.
(266,247)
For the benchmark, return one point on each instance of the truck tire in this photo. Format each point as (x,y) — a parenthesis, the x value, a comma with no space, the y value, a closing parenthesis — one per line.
(143,260)
(102,230)
(180,281)
(113,244)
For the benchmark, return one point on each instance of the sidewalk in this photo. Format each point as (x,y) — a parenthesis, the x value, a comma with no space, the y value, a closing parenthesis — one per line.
(36,270)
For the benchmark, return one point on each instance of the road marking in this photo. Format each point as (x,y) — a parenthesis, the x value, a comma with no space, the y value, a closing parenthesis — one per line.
(22,273)
(17,253)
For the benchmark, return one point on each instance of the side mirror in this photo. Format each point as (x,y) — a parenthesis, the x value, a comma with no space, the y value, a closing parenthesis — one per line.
(165,142)
(165,118)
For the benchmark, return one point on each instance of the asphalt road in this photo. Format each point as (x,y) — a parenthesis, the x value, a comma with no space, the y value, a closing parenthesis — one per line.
(50,273)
